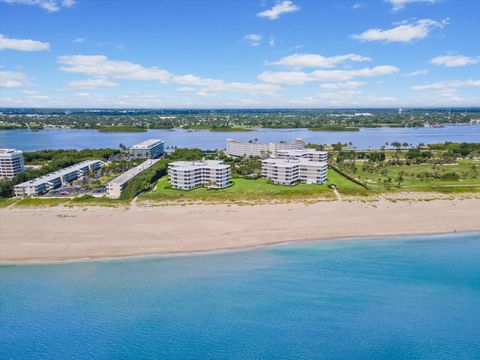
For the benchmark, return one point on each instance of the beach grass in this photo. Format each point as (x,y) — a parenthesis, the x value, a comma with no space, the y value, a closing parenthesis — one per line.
(41,202)
(259,189)
(5,202)
(89,200)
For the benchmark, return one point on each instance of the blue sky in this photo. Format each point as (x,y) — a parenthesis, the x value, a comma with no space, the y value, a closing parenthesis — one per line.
(239,54)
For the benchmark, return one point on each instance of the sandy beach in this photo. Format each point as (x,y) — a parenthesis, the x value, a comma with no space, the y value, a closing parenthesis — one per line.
(57,234)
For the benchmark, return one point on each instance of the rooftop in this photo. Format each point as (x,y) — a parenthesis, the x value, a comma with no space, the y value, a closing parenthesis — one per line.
(300,152)
(129,174)
(10,151)
(292,162)
(191,165)
(56,174)
(147,144)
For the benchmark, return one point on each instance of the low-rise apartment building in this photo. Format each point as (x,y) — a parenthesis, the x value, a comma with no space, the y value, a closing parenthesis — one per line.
(263,150)
(293,171)
(148,149)
(187,175)
(116,186)
(56,179)
(11,163)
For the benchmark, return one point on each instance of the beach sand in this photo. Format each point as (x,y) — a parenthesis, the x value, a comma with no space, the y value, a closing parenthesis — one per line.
(60,233)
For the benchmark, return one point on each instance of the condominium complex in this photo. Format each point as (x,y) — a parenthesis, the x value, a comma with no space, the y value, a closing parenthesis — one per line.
(187,175)
(292,171)
(11,162)
(44,184)
(116,186)
(309,154)
(292,166)
(148,149)
(263,150)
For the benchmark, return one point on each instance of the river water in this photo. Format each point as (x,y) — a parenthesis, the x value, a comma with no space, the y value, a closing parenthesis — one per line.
(366,138)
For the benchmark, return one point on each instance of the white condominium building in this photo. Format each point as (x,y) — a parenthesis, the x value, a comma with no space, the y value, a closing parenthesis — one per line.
(253,148)
(292,171)
(309,154)
(44,184)
(116,186)
(149,149)
(187,175)
(11,162)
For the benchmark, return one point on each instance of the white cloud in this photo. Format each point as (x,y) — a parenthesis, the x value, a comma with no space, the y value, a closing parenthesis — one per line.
(12,79)
(300,77)
(278,9)
(186,89)
(317,61)
(49,5)
(78,40)
(343,85)
(91,83)
(22,44)
(438,93)
(343,98)
(272,42)
(455,60)
(416,73)
(100,67)
(447,85)
(253,39)
(405,32)
(358,6)
(400,4)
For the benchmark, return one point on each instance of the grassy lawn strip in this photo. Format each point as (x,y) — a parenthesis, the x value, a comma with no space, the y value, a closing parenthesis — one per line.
(4,202)
(89,200)
(244,189)
(41,202)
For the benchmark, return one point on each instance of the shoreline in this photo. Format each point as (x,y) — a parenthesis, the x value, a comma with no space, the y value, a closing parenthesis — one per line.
(93,233)
(234,249)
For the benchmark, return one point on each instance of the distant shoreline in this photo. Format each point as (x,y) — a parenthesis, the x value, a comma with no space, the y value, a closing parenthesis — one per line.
(76,234)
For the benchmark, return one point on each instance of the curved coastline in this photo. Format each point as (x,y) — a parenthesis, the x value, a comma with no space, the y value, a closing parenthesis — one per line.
(56,235)
(149,256)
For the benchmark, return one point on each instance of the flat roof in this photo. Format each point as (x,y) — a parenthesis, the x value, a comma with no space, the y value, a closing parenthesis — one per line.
(10,151)
(293,142)
(56,174)
(298,151)
(192,165)
(147,144)
(129,174)
(290,162)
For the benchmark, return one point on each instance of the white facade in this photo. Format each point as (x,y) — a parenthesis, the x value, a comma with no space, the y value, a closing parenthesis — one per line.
(148,149)
(263,150)
(44,184)
(11,162)
(310,154)
(292,171)
(116,186)
(187,175)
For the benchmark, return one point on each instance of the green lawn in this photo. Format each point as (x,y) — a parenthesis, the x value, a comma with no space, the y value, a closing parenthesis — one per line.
(244,189)
(413,183)
(40,202)
(4,202)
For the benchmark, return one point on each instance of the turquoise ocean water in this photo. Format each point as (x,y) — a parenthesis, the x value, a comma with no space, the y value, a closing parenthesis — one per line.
(399,298)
